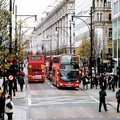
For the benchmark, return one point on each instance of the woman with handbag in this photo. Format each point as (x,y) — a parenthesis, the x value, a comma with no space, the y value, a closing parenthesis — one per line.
(9,107)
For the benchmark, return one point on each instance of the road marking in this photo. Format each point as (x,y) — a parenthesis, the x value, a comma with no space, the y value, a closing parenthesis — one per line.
(54,100)
(50,84)
(29,100)
(94,99)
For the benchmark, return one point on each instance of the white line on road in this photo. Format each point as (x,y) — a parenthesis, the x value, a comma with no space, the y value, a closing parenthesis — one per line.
(50,84)
(94,99)
(29,100)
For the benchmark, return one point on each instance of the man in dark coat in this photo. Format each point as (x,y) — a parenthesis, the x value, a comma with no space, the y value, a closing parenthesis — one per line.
(2,105)
(118,99)
(21,82)
(102,95)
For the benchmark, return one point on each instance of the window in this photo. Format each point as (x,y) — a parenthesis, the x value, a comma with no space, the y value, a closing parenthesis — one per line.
(97,16)
(97,3)
(110,32)
(56,59)
(101,3)
(36,57)
(110,17)
(100,16)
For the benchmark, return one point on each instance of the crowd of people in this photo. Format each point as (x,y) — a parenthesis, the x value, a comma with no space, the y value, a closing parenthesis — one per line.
(16,81)
(6,104)
(104,81)
(108,81)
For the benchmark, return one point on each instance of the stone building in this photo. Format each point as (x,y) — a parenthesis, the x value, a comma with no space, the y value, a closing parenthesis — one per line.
(102,27)
(101,24)
(45,40)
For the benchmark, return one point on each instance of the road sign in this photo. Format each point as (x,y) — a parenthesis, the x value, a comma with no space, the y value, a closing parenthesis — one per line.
(10,77)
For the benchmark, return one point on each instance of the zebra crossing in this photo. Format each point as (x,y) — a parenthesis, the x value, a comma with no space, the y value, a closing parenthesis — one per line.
(59,100)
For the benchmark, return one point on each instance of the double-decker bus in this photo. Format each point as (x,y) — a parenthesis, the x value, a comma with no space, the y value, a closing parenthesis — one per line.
(65,70)
(48,67)
(36,68)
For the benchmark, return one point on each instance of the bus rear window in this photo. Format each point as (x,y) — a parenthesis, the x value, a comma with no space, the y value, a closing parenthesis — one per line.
(36,57)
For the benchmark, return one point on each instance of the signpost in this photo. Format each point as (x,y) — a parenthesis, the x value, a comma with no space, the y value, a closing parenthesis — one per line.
(10,77)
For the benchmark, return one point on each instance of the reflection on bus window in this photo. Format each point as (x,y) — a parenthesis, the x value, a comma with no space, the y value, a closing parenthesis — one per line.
(36,58)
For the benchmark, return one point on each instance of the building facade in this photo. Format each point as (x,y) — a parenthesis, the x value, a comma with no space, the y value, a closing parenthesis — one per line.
(101,24)
(102,27)
(116,30)
(46,38)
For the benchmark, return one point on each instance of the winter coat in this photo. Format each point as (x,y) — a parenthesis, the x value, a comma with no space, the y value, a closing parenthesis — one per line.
(118,95)
(2,104)
(21,81)
(8,110)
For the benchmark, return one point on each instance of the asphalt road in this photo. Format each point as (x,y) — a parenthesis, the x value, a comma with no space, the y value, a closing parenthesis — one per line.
(45,102)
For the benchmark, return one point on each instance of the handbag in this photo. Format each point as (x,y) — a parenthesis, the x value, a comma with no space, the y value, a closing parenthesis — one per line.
(9,105)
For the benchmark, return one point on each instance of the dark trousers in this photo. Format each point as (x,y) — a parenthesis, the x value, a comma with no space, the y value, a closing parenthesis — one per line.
(1,115)
(21,87)
(118,104)
(102,101)
(9,116)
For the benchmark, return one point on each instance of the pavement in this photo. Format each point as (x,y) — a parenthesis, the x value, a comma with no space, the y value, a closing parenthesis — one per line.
(110,98)
(21,113)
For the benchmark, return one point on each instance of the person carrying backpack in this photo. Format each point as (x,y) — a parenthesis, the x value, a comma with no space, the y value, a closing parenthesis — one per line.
(9,107)
(118,99)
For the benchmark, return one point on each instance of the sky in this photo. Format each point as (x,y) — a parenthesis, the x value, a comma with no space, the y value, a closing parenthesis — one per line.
(33,7)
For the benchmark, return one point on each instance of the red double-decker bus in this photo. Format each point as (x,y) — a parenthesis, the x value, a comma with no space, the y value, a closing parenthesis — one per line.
(36,68)
(48,67)
(65,70)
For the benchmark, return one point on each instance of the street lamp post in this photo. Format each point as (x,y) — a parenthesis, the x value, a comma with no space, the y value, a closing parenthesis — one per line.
(67,33)
(91,37)
(10,27)
(16,31)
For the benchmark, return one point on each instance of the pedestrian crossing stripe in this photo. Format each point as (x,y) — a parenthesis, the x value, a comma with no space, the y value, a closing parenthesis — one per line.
(60,100)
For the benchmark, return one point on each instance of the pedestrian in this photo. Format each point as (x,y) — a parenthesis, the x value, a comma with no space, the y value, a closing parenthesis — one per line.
(2,105)
(96,81)
(5,85)
(21,82)
(9,107)
(113,83)
(102,95)
(0,90)
(109,82)
(118,99)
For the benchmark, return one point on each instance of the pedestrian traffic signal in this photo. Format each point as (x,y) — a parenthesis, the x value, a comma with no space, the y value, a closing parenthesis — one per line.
(118,70)
(112,63)
(92,61)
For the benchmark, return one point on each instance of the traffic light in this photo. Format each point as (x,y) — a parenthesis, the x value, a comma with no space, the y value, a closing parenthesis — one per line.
(118,70)
(112,63)
(98,65)
(92,61)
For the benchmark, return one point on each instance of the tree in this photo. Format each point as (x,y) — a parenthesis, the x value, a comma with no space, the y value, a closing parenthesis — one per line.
(84,49)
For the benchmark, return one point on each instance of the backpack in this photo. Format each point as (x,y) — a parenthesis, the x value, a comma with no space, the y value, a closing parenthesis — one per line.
(9,105)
